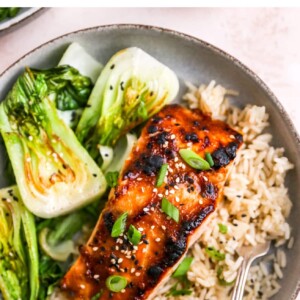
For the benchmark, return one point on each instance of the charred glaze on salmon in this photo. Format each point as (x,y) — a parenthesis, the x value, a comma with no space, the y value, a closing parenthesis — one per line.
(195,193)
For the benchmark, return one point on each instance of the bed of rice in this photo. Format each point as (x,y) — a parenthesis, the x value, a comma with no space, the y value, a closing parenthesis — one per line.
(255,206)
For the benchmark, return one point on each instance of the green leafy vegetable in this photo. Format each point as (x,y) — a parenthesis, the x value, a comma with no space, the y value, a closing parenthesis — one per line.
(214,254)
(161,175)
(112,178)
(18,248)
(223,228)
(209,159)
(54,172)
(116,283)
(169,209)
(131,88)
(66,86)
(194,160)
(58,233)
(8,12)
(50,273)
(119,225)
(183,267)
(134,235)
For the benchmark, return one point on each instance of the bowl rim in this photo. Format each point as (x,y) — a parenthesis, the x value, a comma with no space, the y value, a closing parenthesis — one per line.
(193,39)
(23,16)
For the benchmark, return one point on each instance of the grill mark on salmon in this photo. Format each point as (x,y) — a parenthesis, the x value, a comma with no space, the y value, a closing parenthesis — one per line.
(164,242)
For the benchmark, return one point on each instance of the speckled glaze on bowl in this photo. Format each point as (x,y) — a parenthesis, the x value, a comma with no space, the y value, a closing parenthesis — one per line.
(192,60)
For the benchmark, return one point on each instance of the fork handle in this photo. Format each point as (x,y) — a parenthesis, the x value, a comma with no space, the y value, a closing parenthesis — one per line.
(238,290)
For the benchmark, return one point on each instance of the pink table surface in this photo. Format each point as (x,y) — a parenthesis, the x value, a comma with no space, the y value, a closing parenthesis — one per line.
(266,40)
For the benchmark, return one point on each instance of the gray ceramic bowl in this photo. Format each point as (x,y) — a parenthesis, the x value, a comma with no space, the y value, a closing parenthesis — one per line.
(25,14)
(192,60)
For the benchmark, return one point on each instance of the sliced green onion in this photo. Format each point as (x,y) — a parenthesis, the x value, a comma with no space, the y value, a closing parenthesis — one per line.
(221,279)
(112,178)
(116,283)
(161,175)
(178,292)
(223,228)
(134,235)
(169,209)
(183,267)
(209,159)
(194,160)
(97,296)
(214,254)
(119,225)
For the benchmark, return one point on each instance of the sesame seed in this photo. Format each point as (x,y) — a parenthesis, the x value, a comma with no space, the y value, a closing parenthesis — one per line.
(152,208)
(155,190)
(123,291)
(176,159)
(30,138)
(190,144)
(172,192)
(132,270)
(167,193)
(160,195)
(157,240)
(201,201)
(231,136)
(205,178)
(120,260)
(140,229)
(113,261)
(146,209)
(82,286)
(152,227)
(96,276)
(139,179)
(135,247)
(177,199)
(137,274)
(176,187)
(163,227)
(143,189)
(177,179)
(117,248)
(173,137)
(95,248)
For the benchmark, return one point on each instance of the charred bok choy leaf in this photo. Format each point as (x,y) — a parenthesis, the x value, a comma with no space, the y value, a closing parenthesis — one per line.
(18,248)
(54,172)
(131,88)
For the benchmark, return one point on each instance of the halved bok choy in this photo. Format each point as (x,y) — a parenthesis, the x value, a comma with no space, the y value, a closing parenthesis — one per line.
(19,270)
(54,173)
(131,88)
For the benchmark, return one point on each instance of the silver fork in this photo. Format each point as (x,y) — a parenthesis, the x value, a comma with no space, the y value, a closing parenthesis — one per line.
(249,253)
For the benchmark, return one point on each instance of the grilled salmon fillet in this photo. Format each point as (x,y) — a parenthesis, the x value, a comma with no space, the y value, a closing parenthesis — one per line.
(164,242)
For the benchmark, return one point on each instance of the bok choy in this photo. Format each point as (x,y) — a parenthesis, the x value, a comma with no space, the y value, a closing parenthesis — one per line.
(18,248)
(54,173)
(131,88)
